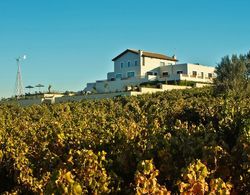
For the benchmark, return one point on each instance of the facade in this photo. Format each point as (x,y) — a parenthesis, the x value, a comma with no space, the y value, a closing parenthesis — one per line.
(133,67)
(189,72)
(136,63)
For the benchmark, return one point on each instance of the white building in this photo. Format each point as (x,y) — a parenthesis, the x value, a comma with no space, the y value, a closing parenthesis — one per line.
(133,67)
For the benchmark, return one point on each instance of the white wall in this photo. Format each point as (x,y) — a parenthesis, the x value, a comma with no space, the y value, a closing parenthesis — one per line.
(199,69)
(162,88)
(118,85)
(187,74)
(171,87)
(199,85)
(92,96)
(89,87)
(127,57)
(172,69)
(57,99)
(143,90)
(153,65)
(110,75)
(29,102)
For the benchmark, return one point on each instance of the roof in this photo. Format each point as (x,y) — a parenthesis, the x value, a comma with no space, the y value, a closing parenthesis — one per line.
(146,54)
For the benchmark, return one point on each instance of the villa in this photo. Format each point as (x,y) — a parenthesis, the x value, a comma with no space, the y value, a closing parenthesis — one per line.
(135,67)
(136,72)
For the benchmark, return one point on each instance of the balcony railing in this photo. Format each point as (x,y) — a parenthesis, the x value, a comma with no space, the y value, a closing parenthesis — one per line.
(124,78)
(184,75)
(168,77)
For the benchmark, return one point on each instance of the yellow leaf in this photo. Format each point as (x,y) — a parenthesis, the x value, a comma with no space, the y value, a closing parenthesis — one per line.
(68,177)
(77,189)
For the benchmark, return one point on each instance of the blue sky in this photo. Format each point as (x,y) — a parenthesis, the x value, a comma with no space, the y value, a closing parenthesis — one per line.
(71,42)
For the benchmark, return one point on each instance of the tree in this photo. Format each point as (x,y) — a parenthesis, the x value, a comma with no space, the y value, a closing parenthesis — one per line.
(233,74)
(248,65)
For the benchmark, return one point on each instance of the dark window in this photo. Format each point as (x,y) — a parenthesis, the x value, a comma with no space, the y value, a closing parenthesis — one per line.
(118,76)
(136,63)
(179,72)
(165,74)
(150,73)
(128,64)
(210,75)
(121,65)
(195,73)
(131,74)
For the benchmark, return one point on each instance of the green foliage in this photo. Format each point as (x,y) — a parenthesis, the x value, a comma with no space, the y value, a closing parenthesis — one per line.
(186,83)
(151,84)
(103,147)
(233,75)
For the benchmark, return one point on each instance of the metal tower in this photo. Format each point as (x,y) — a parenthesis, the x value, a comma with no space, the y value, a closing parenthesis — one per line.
(19,83)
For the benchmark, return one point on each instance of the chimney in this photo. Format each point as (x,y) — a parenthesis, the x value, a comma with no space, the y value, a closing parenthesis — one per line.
(140,57)
(174,56)
(140,52)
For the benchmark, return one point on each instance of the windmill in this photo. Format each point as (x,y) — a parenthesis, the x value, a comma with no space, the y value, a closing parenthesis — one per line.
(19,83)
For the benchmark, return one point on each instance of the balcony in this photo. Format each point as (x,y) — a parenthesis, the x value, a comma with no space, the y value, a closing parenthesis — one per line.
(187,77)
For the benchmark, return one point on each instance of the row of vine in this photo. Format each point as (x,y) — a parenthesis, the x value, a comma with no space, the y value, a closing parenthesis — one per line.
(186,141)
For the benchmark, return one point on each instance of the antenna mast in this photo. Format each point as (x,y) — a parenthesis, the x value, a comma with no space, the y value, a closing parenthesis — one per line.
(19,83)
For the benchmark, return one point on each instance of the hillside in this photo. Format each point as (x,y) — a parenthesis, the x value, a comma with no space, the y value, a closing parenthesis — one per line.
(178,141)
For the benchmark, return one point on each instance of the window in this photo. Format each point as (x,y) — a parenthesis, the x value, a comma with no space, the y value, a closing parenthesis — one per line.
(162,63)
(121,65)
(131,74)
(118,76)
(194,73)
(150,73)
(136,63)
(129,64)
(179,72)
(165,74)
(155,73)
(210,75)
(202,74)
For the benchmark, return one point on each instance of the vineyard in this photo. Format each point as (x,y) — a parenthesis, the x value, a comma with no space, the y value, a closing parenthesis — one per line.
(177,142)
